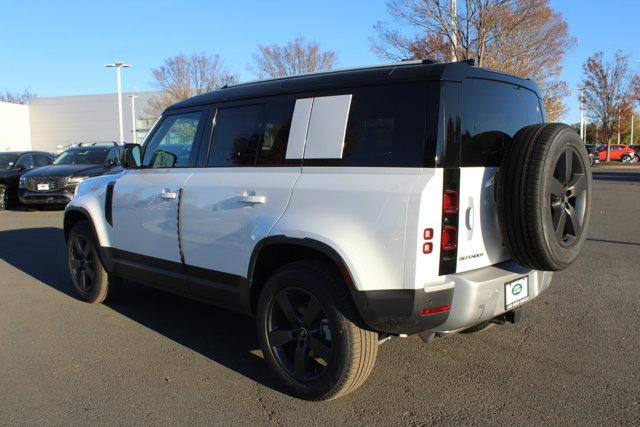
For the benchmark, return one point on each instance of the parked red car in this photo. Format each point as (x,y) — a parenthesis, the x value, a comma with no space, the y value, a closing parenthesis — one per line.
(623,153)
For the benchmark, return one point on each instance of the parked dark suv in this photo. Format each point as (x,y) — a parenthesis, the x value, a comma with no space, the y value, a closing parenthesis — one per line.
(12,166)
(56,184)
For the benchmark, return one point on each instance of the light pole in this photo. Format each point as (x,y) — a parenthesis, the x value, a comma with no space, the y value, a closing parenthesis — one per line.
(582,124)
(118,66)
(133,117)
(633,112)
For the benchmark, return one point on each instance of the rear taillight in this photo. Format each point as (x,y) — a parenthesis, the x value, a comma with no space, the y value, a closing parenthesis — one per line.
(427,246)
(450,202)
(450,208)
(449,240)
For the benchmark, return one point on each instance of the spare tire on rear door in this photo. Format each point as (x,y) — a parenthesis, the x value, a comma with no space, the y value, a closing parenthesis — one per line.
(544,196)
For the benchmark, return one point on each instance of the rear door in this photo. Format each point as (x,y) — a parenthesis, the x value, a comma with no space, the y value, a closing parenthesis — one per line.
(493,112)
(233,202)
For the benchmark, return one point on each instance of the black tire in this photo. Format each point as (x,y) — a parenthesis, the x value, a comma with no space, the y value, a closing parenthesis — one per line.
(5,201)
(626,159)
(306,320)
(544,196)
(88,276)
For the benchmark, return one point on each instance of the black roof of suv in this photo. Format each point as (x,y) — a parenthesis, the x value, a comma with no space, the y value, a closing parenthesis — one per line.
(392,73)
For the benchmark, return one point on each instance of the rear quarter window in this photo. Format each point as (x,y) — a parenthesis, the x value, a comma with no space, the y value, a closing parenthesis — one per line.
(492,114)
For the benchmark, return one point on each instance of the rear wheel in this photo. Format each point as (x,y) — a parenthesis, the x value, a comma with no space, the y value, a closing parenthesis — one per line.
(308,333)
(88,276)
(627,159)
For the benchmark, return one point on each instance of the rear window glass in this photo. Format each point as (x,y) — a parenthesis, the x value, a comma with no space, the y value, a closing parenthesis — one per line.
(236,136)
(492,114)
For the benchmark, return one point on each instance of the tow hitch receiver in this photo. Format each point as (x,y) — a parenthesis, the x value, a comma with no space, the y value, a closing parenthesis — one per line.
(512,316)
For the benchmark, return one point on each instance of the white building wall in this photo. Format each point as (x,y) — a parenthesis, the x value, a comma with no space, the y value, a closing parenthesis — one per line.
(64,120)
(15,134)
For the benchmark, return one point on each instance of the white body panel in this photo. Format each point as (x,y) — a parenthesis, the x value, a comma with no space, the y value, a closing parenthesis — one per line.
(327,127)
(90,195)
(479,239)
(299,128)
(226,211)
(359,212)
(146,221)
(424,211)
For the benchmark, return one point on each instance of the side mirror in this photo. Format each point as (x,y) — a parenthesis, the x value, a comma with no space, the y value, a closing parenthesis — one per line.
(131,156)
(163,159)
(20,168)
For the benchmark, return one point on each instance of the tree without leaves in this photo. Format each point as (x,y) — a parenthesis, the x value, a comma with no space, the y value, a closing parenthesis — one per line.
(17,97)
(522,37)
(610,89)
(298,57)
(182,77)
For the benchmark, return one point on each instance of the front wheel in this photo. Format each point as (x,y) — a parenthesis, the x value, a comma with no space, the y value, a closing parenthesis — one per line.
(4,197)
(627,159)
(88,276)
(308,333)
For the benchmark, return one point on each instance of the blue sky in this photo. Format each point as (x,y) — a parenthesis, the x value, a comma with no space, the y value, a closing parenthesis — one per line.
(59,48)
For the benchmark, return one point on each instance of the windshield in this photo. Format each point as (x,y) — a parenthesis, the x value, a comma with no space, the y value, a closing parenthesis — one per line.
(82,157)
(7,161)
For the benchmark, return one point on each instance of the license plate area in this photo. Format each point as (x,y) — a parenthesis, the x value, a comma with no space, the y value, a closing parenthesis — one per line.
(516,292)
(43,187)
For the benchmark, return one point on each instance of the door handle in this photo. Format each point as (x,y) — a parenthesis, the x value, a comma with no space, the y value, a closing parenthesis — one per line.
(469,218)
(168,194)
(251,198)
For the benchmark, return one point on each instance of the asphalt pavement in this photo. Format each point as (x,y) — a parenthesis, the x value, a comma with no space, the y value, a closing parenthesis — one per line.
(154,358)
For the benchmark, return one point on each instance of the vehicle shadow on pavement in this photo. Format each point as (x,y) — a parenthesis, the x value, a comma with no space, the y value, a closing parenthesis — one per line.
(225,337)
(630,176)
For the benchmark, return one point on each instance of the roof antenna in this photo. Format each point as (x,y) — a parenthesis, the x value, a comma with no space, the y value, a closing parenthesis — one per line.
(470,61)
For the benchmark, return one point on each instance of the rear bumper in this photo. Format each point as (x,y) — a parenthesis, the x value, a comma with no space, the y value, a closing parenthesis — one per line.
(474,296)
(46,197)
(479,295)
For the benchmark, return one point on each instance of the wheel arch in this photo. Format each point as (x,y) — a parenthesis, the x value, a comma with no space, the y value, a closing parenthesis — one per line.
(72,216)
(273,252)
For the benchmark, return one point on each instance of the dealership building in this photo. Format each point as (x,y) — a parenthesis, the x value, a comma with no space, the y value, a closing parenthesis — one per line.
(54,123)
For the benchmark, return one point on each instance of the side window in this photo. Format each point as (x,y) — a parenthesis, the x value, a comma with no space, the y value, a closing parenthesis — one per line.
(492,114)
(273,148)
(26,161)
(386,126)
(172,145)
(236,136)
(42,160)
(114,156)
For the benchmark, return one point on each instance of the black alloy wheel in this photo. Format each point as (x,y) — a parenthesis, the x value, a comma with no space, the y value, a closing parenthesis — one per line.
(82,260)
(568,197)
(299,333)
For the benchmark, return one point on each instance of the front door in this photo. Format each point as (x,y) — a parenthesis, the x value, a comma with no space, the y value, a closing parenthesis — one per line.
(146,202)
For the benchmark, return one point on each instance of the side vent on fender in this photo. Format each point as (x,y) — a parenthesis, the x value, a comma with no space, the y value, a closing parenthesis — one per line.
(108,203)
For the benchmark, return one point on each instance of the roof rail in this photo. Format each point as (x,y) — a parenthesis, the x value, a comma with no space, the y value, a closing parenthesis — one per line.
(92,144)
(400,63)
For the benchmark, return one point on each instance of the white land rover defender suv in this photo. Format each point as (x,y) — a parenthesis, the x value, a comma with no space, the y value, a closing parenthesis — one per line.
(343,208)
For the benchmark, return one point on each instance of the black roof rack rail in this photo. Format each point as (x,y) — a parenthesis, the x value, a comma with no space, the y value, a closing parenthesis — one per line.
(92,144)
